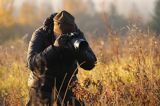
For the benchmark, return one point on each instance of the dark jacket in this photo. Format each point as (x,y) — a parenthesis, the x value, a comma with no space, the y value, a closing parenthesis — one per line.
(54,62)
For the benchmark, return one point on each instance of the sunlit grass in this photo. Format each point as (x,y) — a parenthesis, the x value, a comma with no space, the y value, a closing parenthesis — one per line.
(127,71)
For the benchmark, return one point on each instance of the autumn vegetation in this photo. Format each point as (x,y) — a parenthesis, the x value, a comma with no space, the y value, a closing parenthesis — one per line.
(128,69)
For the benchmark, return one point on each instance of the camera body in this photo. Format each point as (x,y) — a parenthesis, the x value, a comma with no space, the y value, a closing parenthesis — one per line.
(78,43)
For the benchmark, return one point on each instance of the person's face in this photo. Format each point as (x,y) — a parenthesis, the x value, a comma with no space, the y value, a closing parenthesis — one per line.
(62,28)
(67,28)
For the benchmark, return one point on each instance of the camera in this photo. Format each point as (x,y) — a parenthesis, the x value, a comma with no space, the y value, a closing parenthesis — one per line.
(77,42)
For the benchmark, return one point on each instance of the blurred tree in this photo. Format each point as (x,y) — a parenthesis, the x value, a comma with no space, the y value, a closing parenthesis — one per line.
(90,7)
(45,9)
(28,14)
(74,6)
(6,13)
(155,23)
(134,16)
(116,21)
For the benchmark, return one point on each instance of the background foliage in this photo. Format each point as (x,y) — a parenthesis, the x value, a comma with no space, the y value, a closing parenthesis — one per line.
(128,68)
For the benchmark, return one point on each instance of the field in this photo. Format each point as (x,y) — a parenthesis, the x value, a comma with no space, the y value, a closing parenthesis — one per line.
(127,72)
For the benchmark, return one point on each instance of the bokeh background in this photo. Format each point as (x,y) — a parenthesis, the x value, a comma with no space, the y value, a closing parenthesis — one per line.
(124,34)
(22,17)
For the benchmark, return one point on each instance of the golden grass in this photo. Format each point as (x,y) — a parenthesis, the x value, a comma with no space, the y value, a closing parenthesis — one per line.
(127,72)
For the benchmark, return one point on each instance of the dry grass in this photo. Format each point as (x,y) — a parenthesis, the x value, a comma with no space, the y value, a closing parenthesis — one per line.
(127,73)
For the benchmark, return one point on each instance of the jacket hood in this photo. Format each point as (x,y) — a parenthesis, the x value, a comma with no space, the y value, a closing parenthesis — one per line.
(49,24)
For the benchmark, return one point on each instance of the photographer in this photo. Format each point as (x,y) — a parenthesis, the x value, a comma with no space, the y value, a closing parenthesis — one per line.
(54,52)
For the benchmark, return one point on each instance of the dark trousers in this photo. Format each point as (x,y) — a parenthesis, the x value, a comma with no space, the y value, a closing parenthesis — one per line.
(43,98)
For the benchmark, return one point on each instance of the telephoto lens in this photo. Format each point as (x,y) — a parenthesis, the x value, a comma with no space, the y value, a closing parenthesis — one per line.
(78,43)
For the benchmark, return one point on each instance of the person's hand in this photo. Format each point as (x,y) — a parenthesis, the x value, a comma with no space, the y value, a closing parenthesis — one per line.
(63,41)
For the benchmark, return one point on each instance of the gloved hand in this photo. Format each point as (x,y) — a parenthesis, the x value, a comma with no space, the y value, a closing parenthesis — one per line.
(63,41)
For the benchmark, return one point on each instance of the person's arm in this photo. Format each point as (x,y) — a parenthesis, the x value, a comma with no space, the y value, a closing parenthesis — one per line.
(38,57)
(86,57)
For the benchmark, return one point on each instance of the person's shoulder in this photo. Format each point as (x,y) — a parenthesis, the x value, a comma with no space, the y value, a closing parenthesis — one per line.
(39,31)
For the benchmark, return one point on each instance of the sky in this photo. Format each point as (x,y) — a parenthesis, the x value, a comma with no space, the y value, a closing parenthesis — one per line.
(142,7)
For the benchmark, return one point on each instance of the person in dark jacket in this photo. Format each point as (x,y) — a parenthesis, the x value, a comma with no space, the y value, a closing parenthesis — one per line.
(53,61)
